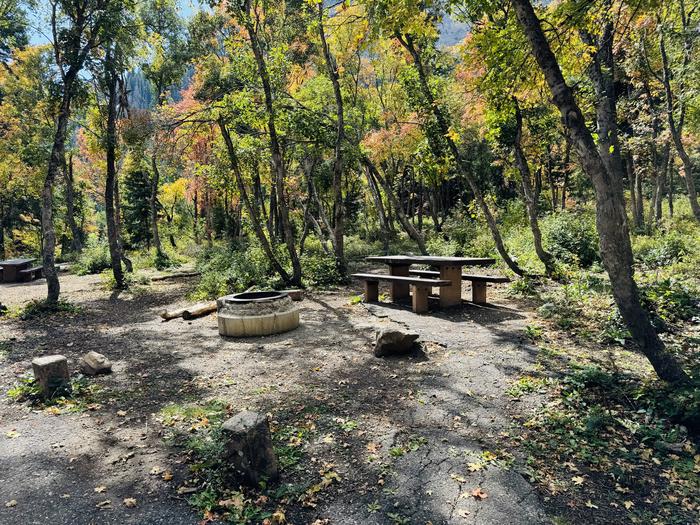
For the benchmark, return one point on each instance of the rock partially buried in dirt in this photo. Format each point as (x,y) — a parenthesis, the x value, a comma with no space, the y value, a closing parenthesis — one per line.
(394,342)
(51,374)
(249,448)
(94,363)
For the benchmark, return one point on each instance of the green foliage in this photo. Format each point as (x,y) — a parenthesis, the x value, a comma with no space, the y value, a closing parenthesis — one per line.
(229,269)
(659,251)
(572,237)
(41,308)
(94,258)
(320,270)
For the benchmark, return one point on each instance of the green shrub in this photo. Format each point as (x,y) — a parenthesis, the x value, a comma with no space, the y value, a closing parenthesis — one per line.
(572,237)
(94,257)
(656,252)
(320,270)
(671,300)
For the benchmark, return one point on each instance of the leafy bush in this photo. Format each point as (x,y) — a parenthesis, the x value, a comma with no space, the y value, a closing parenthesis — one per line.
(572,237)
(320,270)
(671,300)
(656,252)
(94,257)
(229,269)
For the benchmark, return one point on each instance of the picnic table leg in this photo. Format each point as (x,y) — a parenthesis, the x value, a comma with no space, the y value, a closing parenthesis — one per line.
(451,295)
(399,290)
(371,291)
(478,292)
(420,298)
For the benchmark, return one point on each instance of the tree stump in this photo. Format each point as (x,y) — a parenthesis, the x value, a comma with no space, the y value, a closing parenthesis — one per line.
(249,448)
(51,374)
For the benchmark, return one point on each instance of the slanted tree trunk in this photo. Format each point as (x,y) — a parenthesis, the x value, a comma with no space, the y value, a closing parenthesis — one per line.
(384,229)
(462,165)
(529,196)
(391,196)
(338,204)
(48,238)
(111,145)
(611,219)
(278,166)
(153,203)
(250,207)
(76,243)
(676,130)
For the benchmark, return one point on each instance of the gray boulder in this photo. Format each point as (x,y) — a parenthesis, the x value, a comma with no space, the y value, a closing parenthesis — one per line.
(94,363)
(249,448)
(394,342)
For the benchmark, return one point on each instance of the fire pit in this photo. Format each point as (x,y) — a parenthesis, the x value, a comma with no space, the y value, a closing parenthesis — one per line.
(256,313)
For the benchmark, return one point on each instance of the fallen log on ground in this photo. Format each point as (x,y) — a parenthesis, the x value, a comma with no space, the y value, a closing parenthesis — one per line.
(199,310)
(175,276)
(189,312)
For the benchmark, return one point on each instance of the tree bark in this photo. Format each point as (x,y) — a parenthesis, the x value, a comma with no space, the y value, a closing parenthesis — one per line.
(408,227)
(384,230)
(462,166)
(76,244)
(676,132)
(252,210)
(529,196)
(611,220)
(338,205)
(275,149)
(111,145)
(153,203)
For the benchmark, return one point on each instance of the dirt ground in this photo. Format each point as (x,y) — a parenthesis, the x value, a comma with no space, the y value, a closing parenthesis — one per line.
(402,434)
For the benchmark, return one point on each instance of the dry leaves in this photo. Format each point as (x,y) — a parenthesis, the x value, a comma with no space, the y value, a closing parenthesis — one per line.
(11,503)
(129,503)
(100,489)
(479,494)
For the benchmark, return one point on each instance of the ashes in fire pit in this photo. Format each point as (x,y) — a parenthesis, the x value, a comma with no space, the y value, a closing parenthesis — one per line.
(256,313)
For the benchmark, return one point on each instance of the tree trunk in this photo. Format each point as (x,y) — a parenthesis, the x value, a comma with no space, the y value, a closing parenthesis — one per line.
(408,227)
(252,210)
(48,235)
(275,149)
(462,166)
(384,230)
(615,245)
(155,182)
(338,204)
(111,145)
(529,196)
(676,132)
(76,244)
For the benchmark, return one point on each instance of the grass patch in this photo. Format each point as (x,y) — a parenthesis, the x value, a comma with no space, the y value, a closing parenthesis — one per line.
(83,395)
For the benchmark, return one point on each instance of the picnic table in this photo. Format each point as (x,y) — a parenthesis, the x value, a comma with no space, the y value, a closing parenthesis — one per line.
(449,268)
(12,268)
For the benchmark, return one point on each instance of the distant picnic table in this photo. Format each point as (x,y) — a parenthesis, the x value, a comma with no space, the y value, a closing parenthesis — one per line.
(447,277)
(14,270)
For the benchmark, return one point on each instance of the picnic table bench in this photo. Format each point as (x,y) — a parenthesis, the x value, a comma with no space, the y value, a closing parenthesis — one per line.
(420,287)
(12,269)
(479,282)
(30,274)
(448,278)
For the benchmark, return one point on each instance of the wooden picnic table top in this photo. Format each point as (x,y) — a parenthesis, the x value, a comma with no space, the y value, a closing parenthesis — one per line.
(16,262)
(431,260)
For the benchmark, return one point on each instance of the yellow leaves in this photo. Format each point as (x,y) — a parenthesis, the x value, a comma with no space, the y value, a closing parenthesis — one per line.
(167,476)
(452,135)
(202,422)
(235,502)
(628,504)
(100,489)
(129,503)
(458,478)
(475,467)
(591,505)
(11,434)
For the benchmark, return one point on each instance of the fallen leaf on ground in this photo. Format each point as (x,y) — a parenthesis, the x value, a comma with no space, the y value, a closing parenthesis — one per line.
(167,475)
(578,480)
(100,489)
(12,434)
(590,505)
(628,504)
(129,503)
(156,470)
(11,503)
(106,504)
(121,413)
(479,494)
